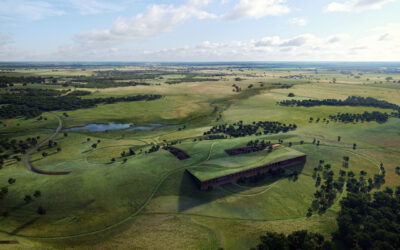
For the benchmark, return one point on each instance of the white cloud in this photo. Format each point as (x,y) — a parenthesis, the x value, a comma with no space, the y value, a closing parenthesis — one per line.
(356,5)
(298,21)
(337,38)
(157,20)
(257,9)
(34,10)
(276,41)
(88,7)
(303,47)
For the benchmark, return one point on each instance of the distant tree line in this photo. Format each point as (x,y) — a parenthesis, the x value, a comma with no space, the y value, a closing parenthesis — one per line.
(191,77)
(256,128)
(10,80)
(31,103)
(105,83)
(364,117)
(350,101)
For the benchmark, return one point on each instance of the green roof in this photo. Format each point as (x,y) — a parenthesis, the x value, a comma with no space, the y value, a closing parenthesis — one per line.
(232,164)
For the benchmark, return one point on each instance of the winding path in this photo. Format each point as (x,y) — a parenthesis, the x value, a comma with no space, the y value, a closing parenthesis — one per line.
(33,150)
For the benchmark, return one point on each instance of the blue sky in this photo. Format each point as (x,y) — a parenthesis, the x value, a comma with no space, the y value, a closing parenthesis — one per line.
(200,30)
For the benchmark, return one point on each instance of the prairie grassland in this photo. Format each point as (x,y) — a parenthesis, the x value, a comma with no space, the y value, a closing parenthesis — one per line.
(149,201)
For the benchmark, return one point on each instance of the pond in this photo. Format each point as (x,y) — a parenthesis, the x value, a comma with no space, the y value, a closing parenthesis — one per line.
(99,127)
(140,128)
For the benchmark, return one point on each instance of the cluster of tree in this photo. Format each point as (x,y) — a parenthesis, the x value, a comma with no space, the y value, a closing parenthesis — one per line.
(105,83)
(215,137)
(10,149)
(365,221)
(153,149)
(191,77)
(236,88)
(30,103)
(296,240)
(282,85)
(79,93)
(366,116)
(256,128)
(12,111)
(370,221)
(350,101)
(10,80)
(326,194)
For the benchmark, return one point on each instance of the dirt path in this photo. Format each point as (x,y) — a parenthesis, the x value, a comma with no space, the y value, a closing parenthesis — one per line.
(33,150)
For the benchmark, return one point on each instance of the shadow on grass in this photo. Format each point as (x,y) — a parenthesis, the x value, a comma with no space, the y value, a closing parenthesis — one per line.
(190,196)
(25,225)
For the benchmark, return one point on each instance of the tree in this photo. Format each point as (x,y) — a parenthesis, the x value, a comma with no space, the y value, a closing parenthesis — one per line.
(112,159)
(125,160)
(58,149)
(27,198)
(94,145)
(309,212)
(389,78)
(88,139)
(37,194)
(41,210)
(11,181)
(65,134)
(44,154)
(354,146)
(339,138)
(273,240)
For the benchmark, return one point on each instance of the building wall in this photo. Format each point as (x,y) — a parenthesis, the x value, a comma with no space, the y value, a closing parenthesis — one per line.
(248,173)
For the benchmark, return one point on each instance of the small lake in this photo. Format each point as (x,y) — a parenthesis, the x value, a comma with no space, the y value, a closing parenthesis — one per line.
(101,127)
(140,128)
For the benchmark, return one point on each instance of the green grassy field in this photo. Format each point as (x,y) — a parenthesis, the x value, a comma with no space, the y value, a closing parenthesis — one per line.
(149,201)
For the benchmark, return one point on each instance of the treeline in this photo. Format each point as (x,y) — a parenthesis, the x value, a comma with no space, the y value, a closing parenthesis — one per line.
(350,101)
(365,221)
(7,80)
(190,77)
(104,83)
(11,149)
(79,93)
(256,128)
(12,111)
(364,117)
(24,103)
